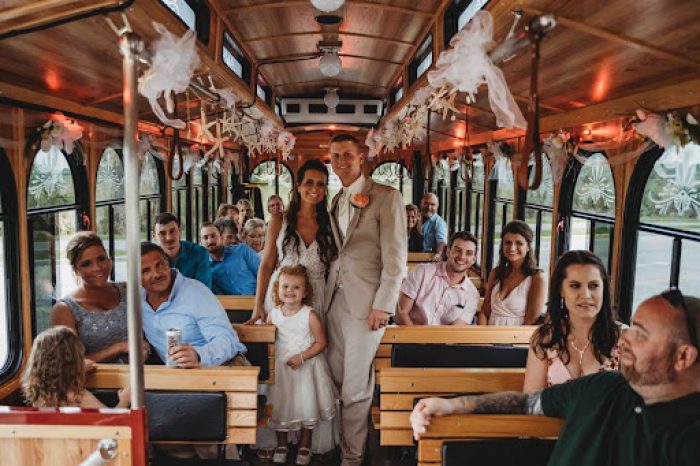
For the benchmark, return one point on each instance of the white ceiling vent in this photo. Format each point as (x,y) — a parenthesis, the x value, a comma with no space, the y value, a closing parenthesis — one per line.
(348,111)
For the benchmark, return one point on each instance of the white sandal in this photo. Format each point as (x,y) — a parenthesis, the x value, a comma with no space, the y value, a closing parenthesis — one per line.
(280,455)
(303,457)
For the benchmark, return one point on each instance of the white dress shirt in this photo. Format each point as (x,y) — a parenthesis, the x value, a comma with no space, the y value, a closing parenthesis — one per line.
(345,210)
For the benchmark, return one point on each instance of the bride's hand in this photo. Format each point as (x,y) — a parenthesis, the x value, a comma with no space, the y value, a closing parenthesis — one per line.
(258,313)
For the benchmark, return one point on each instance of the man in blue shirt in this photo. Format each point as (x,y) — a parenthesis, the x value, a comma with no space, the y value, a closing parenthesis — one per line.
(171,300)
(434,227)
(189,258)
(234,268)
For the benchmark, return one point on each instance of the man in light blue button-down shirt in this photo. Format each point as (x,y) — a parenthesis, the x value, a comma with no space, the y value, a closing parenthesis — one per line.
(171,300)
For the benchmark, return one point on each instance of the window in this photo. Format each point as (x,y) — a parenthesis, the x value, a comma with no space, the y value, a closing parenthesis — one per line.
(396,92)
(440,186)
(593,208)
(538,214)
(234,58)
(334,184)
(668,239)
(110,213)
(422,60)
(181,200)
(53,212)
(194,14)
(502,204)
(270,182)
(263,91)
(198,201)
(150,193)
(459,213)
(10,309)
(475,200)
(397,176)
(458,15)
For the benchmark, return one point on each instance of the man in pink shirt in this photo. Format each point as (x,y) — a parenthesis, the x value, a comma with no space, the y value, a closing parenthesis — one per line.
(440,293)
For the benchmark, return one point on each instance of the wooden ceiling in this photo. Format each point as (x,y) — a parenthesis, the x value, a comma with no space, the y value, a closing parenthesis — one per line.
(377,38)
(604,59)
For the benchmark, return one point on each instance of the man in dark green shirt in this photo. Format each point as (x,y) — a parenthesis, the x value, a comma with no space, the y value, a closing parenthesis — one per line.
(649,414)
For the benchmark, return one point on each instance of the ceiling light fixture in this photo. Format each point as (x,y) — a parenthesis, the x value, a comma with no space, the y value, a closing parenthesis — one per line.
(330,64)
(331,98)
(327,5)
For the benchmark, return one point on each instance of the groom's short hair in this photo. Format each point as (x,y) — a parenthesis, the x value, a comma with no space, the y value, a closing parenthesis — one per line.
(343,137)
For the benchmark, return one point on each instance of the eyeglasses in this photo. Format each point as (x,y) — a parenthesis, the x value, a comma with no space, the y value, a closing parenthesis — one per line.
(676,299)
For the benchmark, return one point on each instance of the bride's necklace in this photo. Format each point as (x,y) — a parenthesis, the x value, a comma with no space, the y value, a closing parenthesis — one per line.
(580,352)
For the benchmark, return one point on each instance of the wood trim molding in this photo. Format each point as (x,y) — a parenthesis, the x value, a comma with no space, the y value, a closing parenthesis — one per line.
(320,33)
(293,3)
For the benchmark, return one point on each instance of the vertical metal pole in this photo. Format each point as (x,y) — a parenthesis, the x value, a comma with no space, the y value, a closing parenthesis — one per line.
(131,46)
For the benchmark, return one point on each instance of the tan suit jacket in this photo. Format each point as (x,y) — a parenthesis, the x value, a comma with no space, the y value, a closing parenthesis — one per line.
(372,257)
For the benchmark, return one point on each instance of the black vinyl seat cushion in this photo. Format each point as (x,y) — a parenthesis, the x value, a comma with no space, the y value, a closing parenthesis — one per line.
(501,452)
(186,416)
(258,354)
(180,416)
(239,317)
(436,355)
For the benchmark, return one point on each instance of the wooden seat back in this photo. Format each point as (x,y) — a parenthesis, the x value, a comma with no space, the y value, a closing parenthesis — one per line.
(238,308)
(399,388)
(240,384)
(481,426)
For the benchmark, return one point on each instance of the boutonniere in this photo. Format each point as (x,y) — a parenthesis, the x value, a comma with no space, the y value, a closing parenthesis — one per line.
(360,200)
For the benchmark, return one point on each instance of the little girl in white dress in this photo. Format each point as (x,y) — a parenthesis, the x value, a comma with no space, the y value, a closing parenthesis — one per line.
(303,393)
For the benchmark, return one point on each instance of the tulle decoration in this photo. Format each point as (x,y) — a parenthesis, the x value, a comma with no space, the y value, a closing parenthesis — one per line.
(285,143)
(653,126)
(466,65)
(500,170)
(191,159)
(173,61)
(60,132)
(372,145)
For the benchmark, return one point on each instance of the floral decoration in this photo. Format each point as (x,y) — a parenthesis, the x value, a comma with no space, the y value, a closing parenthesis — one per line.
(360,200)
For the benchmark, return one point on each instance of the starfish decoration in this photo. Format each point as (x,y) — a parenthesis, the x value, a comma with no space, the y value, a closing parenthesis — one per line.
(218,140)
(443,100)
(232,126)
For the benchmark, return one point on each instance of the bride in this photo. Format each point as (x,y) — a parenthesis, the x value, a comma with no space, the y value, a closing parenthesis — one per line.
(300,236)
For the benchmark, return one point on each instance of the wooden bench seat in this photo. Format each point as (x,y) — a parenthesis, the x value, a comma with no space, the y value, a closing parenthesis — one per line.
(400,387)
(239,384)
(238,308)
(481,426)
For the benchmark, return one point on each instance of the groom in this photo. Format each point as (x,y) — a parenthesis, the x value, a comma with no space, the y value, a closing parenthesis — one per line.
(369,225)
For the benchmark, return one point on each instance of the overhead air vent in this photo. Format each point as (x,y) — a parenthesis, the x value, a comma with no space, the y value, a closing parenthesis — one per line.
(348,111)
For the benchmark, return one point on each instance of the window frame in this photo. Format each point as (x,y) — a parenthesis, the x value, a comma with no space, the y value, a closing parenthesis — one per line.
(539,210)
(149,199)
(111,204)
(479,214)
(202,18)
(492,185)
(230,44)
(424,50)
(9,217)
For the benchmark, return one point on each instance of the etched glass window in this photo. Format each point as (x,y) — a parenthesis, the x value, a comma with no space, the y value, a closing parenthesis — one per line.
(50,180)
(109,209)
(271,181)
(397,176)
(538,214)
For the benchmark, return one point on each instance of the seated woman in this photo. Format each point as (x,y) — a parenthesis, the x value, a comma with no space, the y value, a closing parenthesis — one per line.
(96,310)
(516,288)
(414,226)
(55,373)
(254,234)
(579,336)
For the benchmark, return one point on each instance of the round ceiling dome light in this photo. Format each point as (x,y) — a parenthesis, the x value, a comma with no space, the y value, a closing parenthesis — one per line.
(330,64)
(327,5)
(331,98)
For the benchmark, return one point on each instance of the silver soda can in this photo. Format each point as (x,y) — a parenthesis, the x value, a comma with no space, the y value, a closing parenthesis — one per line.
(173,337)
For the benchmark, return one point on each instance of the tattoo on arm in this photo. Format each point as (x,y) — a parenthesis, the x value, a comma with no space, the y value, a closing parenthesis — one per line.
(504,403)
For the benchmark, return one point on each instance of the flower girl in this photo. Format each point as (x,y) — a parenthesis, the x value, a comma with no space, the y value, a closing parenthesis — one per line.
(303,392)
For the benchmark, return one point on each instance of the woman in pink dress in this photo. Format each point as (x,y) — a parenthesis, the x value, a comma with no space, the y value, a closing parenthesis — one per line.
(579,336)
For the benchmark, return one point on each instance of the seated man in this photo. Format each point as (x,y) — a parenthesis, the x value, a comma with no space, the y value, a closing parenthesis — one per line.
(187,257)
(171,300)
(234,268)
(229,231)
(434,227)
(649,413)
(440,293)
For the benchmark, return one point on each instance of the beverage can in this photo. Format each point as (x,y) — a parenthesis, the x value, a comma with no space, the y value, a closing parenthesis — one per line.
(173,338)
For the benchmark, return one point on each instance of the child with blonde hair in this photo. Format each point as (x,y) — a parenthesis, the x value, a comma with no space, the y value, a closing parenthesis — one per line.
(55,373)
(303,393)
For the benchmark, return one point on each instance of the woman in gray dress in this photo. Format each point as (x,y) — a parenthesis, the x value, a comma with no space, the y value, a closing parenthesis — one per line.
(96,310)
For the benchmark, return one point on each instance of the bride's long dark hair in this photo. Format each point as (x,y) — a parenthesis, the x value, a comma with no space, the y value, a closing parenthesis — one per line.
(324,236)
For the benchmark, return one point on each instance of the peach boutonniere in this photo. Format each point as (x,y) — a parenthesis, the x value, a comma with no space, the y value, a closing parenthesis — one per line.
(360,200)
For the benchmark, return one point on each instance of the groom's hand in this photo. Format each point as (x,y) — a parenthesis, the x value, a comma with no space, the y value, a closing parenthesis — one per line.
(378,319)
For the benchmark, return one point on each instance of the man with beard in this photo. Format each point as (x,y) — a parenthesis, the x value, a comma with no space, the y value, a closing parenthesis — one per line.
(171,300)
(648,414)
(234,268)
(187,257)
(440,293)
